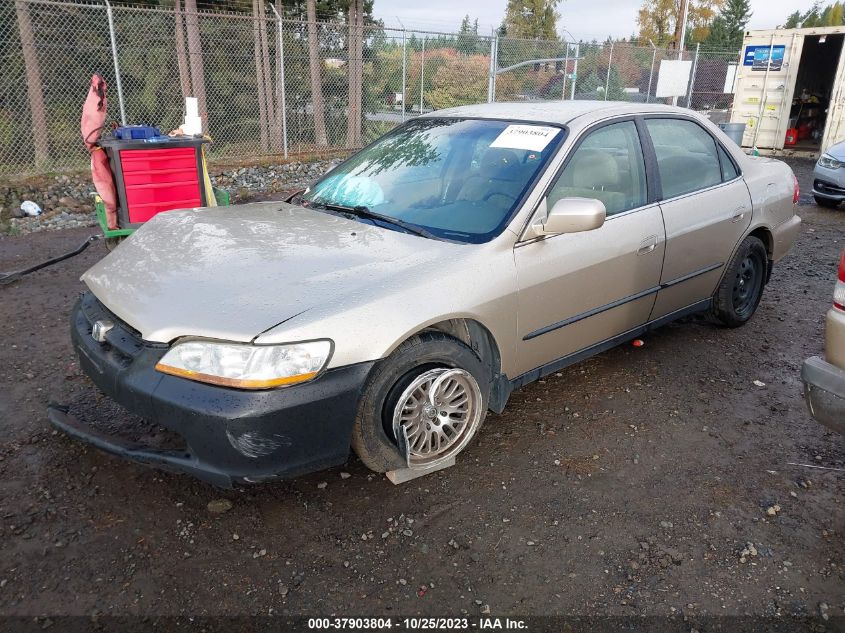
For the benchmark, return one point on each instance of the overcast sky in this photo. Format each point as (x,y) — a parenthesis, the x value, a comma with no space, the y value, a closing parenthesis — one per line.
(585,19)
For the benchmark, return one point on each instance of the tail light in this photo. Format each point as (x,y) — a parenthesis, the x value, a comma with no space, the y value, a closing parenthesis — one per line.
(839,289)
(796,192)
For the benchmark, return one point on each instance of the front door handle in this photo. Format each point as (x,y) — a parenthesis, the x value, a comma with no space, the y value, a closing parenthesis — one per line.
(739,213)
(647,245)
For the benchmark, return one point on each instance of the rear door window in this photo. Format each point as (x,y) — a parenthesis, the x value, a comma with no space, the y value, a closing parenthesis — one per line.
(687,158)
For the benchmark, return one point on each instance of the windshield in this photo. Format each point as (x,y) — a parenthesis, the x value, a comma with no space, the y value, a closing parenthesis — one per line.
(457,179)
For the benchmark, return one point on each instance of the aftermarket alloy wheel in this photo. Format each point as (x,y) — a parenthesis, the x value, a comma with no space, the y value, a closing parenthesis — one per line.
(432,390)
(438,413)
(740,290)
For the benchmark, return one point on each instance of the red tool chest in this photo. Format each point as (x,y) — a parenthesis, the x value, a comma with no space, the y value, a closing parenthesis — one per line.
(158,175)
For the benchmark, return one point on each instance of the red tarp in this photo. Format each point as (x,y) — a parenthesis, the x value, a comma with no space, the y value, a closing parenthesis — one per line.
(93,120)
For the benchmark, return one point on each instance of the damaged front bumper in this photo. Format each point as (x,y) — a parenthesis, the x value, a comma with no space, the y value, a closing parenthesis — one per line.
(232,436)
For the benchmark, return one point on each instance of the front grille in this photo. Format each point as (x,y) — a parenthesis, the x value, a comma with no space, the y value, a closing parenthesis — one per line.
(123,341)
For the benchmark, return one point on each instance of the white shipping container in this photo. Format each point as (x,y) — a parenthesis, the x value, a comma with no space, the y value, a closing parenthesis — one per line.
(778,67)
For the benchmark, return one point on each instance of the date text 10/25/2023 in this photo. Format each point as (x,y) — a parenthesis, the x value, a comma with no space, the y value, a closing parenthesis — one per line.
(417,624)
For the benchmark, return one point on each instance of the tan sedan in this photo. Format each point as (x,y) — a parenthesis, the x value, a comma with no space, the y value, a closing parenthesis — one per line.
(412,288)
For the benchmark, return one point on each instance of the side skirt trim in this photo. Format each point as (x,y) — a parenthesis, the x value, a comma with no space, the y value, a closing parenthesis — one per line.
(575,357)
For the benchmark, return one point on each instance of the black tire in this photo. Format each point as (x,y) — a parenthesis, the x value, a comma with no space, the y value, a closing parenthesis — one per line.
(738,295)
(372,436)
(826,202)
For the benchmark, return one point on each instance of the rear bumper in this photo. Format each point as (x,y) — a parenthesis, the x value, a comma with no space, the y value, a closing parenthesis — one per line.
(232,436)
(824,392)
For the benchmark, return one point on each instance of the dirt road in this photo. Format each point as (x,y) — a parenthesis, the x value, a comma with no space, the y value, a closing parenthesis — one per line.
(629,484)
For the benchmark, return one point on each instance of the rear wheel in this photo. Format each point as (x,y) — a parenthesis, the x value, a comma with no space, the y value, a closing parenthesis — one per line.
(739,293)
(826,202)
(432,393)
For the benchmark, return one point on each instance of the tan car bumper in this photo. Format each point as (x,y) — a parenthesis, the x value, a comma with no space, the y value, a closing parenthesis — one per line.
(824,380)
(824,392)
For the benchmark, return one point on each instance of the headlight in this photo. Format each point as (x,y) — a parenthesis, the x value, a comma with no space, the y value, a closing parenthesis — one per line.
(830,162)
(246,366)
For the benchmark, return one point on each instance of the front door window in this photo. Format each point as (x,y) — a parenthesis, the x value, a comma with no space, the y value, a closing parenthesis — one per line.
(608,166)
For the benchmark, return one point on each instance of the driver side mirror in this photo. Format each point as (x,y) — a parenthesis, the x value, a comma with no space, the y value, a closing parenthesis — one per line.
(568,215)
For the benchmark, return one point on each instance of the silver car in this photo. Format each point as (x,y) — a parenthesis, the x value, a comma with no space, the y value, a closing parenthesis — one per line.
(411,289)
(829,177)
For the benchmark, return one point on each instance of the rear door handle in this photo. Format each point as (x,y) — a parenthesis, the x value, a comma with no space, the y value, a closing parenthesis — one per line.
(647,245)
(739,213)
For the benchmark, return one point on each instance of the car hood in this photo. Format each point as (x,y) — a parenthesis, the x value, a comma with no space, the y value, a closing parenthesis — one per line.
(232,273)
(837,151)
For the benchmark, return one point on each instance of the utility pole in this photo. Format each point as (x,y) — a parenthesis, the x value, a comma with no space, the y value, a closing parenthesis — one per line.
(681,27)
(681,33)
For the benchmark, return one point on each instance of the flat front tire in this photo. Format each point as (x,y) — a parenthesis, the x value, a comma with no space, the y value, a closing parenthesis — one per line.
(433,390)
(738,295)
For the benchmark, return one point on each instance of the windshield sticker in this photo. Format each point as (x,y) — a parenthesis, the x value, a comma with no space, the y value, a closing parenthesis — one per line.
(529,137)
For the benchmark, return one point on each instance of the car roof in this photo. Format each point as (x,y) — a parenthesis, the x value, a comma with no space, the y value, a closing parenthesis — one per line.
(559,112)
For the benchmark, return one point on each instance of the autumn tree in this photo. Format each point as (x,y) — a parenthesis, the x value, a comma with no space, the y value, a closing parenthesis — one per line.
(531,19)
(462,80)
(658,20)
(421,71)
(701,16)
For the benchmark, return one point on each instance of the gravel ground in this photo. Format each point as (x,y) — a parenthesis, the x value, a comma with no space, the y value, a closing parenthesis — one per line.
(645,481)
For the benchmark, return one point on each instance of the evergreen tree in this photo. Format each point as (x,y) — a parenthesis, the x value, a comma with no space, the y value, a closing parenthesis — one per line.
(736,13)
(727,29)
(793,21)
(812,17)
(467,42)
(817,15)
(719,36)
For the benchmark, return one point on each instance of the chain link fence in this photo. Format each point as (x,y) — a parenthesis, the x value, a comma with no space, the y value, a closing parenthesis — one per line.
(273,88)
(611,71)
